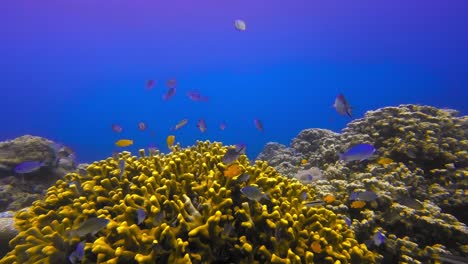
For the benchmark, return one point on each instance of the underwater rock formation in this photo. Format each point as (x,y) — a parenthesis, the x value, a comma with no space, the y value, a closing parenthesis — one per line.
(419,175)
(19,189)
(181,208)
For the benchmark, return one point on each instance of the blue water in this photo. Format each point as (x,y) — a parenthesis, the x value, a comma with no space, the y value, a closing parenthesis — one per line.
(69,70)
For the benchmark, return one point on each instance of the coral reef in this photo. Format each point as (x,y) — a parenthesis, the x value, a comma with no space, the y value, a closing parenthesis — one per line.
(20,190)
(193,214)
(421,192)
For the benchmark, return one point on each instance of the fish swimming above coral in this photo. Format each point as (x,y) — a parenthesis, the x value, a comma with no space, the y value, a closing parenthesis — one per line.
(233,154)
(254,193)
(342,106)
(358,152)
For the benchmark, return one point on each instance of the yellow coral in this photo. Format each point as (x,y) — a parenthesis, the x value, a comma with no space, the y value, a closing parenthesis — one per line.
(193,214)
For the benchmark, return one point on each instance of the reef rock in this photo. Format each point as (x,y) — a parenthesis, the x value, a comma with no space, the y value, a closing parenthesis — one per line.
(419,174)
(20,190)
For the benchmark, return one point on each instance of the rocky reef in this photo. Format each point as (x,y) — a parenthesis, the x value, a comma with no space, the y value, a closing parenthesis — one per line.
(419,175)
(183,207)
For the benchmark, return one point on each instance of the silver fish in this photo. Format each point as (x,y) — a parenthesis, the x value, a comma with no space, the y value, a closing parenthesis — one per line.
(90,226)
(342,106)
(358,152)
(254,193)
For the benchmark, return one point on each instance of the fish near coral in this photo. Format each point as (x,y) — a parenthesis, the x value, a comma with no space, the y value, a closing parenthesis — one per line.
(170,141)
(233,154)
(254,193)
(201,125)
(358,204)
(28,166)
(358,152)
(342,106)
(367,196)
(124,142)
(233,170)
(77,255)
(90,226)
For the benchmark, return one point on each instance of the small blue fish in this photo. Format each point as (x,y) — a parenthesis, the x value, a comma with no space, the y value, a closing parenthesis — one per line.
(28,166)
(378,238)
(77,255)
(348,221)
(141,216)
(342,106)
(303,196)
(358,152)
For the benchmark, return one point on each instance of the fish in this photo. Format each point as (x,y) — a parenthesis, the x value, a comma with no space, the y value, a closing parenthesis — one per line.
(342,106)
(141,216)
(358,204)
(77,255)
(28,166)
(329,198)
(171,83)
(316,247)
(197,97)
(90,226)
(222,126)
(233,170)
(142,126)
(124,142)
(314,203)
(179,125)
(201,125)
(243,177)
(170,140)
(304,162)
(169,93)
(409,202)
(239,24)
(385,161)
(358,152)
(303,196)
(258,124)
(450,258)
(348,221)
(233,154)
(254,193)
(377,239)
(122,168)
(150,84)
(117,128)
(367,196)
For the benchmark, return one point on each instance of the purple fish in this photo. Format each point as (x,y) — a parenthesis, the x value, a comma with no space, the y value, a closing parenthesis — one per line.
(171,91)
(358,152)
(77,255)
(141,216)
(342,106)
(28,166)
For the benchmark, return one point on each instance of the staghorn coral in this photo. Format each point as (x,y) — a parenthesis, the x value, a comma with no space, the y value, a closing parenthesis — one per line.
(194,215)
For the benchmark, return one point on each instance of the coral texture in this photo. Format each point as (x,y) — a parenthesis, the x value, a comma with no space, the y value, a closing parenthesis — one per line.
(194,214)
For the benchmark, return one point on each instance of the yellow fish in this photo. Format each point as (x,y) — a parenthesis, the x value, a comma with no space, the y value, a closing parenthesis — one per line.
(124,142)
(304,161)
(182,123)
(385,161)
(170,140)
(358,204)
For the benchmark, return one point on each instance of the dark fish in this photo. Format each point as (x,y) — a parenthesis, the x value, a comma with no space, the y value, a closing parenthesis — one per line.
(367,196)
(90,226)
(314,203)
(342,106)
(348,221)
(121,168)
(254,193)
(358,152)
(201,125)
(197,97)
(77,255)
(117,128)
(409,202)
(451,258)
(28,166)
(377,239)
(169,94)
(142,126)
(258,124)
(172,83)
(233,154)
(141,216)
(243,177)
(150,84)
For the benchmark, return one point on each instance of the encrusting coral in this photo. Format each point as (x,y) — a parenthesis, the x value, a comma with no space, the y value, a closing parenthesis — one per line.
(194,214)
